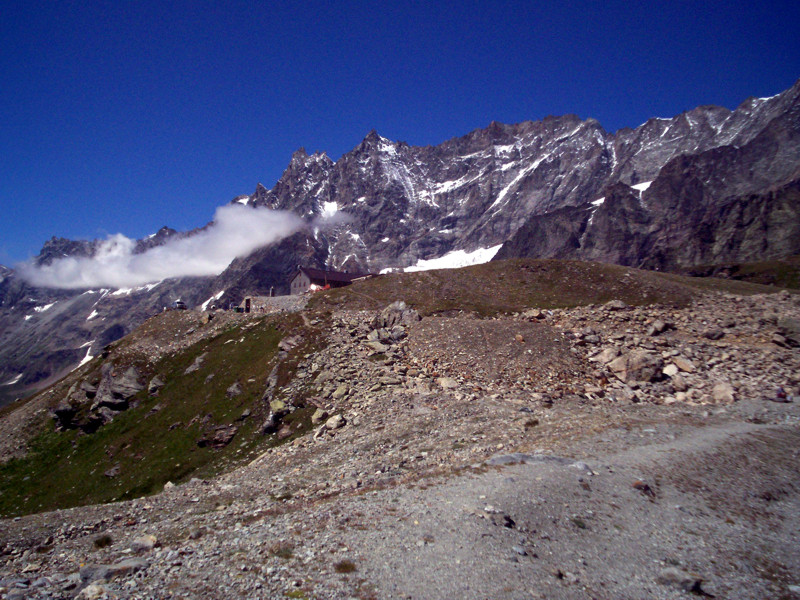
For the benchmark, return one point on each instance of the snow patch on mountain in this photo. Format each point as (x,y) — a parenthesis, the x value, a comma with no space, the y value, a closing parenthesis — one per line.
(456,259)
(329,209)
(216,296)
(14,380)
(88,356)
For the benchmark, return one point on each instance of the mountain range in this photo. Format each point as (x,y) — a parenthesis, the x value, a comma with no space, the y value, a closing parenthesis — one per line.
(705,187)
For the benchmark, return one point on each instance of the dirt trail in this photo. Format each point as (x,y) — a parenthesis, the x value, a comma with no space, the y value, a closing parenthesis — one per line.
(718,505)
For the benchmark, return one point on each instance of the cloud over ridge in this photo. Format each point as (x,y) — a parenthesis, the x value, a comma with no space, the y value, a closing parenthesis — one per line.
(235,231)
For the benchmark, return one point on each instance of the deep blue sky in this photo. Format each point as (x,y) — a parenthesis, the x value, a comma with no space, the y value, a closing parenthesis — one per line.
(126,116)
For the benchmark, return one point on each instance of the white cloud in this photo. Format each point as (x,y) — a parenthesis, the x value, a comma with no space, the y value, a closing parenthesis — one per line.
(236,231)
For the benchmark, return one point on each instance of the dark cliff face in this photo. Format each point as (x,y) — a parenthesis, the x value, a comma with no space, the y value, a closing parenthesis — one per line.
(726,204)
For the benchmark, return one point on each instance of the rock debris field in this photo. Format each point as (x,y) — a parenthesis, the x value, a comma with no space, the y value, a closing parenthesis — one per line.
(597,452)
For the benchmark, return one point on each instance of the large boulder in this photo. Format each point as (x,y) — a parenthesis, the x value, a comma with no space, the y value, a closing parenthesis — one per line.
(155,385)
(789,328)
(637,366)
(397,313)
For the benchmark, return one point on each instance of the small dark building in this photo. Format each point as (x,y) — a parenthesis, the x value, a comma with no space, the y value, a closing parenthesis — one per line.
(305,280)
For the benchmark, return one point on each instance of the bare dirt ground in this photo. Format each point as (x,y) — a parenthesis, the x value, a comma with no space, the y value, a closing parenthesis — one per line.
(484,458)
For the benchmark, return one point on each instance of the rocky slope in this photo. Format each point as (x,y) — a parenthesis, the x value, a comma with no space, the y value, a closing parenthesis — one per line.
(724,189)
(602,450)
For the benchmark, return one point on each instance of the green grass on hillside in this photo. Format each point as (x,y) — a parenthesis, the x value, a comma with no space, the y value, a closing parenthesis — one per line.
(156,441)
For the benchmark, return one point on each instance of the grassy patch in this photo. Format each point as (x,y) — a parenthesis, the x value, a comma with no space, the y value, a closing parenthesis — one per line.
(156,440)
(784,273)
(345,566)
(512,285)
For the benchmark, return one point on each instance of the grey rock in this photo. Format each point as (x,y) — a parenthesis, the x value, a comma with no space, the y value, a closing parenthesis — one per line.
(789,328)
(113,471)
(144,543)
(679,383)
(637,365)
(723,392)
(378,347)
(657,327)
(196,364)
(94,572)
(397,313)
(127,385)
(683,364)
(606,355)
(63,414)
(679,579)
(615,305)
(88,389)
(126,567)
(271,423)
(221,437)
(670,370)
(340,392)
(155,385)
(335,422)
(94,591)
(233,390)
(397,333)
(290,343)
(447,383)
(319,416)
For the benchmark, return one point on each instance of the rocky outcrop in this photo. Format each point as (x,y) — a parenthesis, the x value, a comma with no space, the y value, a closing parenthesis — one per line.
(89,407)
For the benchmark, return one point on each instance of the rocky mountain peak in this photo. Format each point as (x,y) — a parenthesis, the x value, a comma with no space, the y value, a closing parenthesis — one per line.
(372,137)
(58,247)
(299,156)
(157,239)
